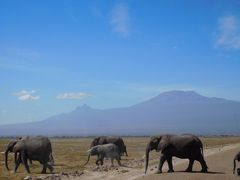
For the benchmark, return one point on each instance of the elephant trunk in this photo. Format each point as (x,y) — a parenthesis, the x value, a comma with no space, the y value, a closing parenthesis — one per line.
(147,158)
(87,159)
(234,165)
(6,158)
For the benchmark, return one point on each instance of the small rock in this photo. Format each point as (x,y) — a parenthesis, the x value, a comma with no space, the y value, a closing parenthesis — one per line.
(28,178)
(39,178)
(65,174)
(124,171)
(105,169)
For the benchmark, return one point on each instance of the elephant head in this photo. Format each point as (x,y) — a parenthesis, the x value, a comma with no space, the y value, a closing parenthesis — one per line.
(154,144)
(95,142)
(14,146)
(9,148)
(91,151)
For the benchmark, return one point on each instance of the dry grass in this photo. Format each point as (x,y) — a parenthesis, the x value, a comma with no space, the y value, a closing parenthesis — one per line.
(70,154)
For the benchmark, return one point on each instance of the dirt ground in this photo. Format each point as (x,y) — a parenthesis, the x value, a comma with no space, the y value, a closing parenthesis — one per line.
(219,160)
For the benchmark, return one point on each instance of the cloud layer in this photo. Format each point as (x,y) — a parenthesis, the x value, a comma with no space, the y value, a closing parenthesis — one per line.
(120,19)
(73,95)
(27,95)
(229,32)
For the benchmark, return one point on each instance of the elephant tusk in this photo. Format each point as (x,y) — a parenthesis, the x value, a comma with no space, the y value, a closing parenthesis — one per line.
(88,150)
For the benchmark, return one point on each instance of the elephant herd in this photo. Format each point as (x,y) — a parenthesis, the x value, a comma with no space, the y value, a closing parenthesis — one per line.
(185,146)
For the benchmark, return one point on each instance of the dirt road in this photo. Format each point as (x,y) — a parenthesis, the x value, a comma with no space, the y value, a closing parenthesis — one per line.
(219,160)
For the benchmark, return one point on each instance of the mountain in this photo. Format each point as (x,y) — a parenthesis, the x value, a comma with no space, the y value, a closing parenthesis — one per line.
(169,112)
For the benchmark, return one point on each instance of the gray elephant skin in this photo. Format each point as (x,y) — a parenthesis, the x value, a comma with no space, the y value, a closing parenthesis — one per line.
(32,149)
(10,147)
(236,158)
(110,139)
(105,151)
(184,146)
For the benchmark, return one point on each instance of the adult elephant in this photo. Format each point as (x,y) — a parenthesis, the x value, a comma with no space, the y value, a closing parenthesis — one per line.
(184,146)
(31,148)
(110,139)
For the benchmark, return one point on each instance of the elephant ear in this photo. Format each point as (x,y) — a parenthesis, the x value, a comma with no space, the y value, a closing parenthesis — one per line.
(97,140)
(162,145)
(19,146)
(102,140)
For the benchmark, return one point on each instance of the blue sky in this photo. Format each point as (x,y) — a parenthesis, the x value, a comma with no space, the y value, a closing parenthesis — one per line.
(57,55)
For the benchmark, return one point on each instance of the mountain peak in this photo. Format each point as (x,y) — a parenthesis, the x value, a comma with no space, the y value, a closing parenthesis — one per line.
(179,92)
(84,107)
(178,97)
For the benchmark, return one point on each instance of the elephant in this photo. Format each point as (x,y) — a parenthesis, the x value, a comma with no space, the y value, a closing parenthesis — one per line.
(185,146)
(236,158)
(106,150)
(31,148)
(110,139)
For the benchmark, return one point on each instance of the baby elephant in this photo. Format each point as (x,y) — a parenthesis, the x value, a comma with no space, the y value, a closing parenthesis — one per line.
(236,158)
(106,150)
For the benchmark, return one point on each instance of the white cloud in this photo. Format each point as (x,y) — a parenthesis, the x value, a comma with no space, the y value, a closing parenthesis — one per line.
(73,95)
(229,32)
(26,95)
(120,19)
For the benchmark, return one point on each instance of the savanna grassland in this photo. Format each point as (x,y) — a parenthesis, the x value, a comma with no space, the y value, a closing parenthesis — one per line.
(70,154)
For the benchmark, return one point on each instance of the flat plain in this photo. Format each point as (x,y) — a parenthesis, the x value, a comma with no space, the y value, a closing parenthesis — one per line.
(70,155)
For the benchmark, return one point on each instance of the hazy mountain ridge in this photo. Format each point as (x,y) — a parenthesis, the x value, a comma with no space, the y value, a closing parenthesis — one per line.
(173,111)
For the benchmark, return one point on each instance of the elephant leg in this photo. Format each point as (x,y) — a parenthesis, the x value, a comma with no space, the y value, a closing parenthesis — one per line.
(203,164)
(44,170)
(97,162)
(24,160)
(17,163)
(190,165)
(16,157)
(170,166)
(112,162)
(101,160)
(161,162)
(98,159)
(50,168)
(118,160)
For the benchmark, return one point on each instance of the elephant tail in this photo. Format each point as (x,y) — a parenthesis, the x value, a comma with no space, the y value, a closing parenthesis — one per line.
(201,147)
(51,159)
(202,151)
